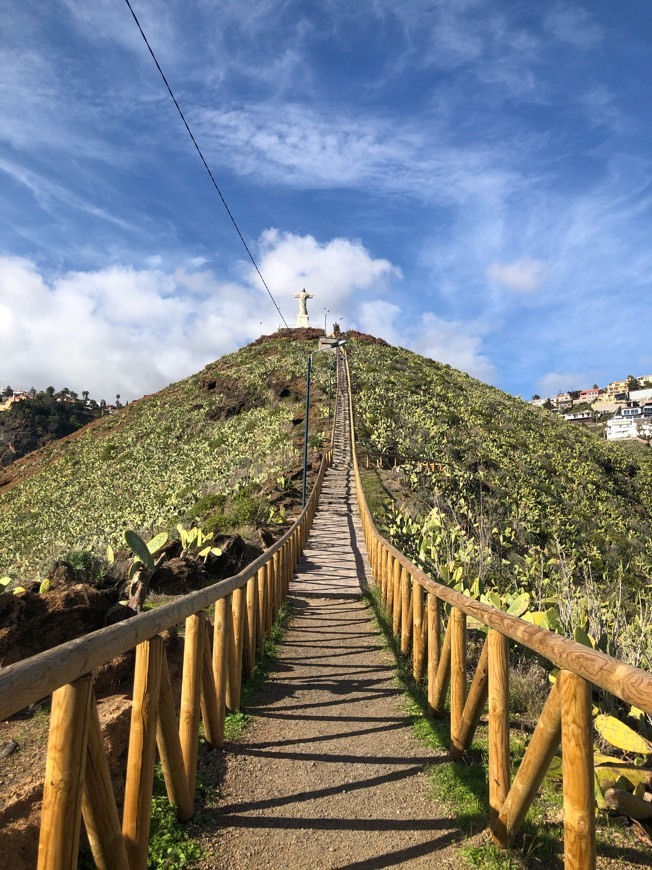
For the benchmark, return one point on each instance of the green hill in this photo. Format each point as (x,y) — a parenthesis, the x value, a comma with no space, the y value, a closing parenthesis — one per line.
(500,497)
(222,446)
(503,497)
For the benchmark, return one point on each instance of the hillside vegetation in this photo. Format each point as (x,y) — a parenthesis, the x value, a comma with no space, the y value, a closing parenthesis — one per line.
(507,501)
(495,496)
(221,447)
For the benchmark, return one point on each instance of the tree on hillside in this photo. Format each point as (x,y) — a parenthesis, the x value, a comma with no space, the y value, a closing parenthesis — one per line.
(535,397)
(8,391)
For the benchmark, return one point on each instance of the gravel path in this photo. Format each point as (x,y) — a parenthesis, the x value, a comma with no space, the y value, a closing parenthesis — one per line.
(329,773)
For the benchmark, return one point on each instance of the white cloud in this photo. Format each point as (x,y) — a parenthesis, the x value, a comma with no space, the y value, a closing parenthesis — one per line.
(453,342)
(561,382)
(573,25)
(522,276)
(448,341)
(377,317)
(334,272)
(133,331)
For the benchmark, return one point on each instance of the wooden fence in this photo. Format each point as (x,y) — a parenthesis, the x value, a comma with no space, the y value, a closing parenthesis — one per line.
(77,780)
(416,605)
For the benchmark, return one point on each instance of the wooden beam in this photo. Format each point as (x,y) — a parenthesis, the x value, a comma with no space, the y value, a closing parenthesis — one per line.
(261,611)
(250,657)
(419,633)
(577,771)
(64,776)
(210,712)
(458,674)
(475,702)
(193,663)
(169,749)
(433,609)
(221,630)
(499,762)
(438,688)
(142,743)
(99,809)
(540,751)
(406,608)
(234,680)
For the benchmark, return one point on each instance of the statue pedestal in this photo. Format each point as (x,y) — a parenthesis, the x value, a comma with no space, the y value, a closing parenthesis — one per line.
(303,321)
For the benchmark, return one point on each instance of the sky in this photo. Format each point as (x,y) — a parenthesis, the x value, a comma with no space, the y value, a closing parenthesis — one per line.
(470,179)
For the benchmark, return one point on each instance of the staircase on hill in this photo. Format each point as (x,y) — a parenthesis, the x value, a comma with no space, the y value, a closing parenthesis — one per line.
(333,563)
(330,774)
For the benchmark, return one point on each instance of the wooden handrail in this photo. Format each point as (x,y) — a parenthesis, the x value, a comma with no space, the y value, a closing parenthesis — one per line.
(618,678)
(78,780)
(29,680)
(566,718)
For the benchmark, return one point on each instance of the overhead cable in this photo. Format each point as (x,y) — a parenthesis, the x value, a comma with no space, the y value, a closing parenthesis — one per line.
(203,160)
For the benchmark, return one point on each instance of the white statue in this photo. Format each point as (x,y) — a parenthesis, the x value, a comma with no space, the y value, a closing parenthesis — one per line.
(302,317)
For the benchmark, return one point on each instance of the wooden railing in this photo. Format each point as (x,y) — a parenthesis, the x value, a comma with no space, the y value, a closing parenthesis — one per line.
(77,780)
(415,604)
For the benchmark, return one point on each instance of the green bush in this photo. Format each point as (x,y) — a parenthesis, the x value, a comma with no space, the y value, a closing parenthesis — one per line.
(207,503)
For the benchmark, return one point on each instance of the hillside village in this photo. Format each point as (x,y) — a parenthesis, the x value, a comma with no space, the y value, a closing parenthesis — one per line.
(9,397)
(30,419)
(624,407)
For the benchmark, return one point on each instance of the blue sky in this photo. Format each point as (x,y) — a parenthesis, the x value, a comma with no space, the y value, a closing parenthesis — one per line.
(470,179)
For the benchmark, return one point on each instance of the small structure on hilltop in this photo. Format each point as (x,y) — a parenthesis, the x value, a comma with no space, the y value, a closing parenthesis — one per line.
(303,321)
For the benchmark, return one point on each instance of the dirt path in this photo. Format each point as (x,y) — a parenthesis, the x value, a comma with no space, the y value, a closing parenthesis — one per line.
(329,774)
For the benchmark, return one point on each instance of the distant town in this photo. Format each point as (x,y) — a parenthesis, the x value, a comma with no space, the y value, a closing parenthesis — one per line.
(625,407)
(9,397)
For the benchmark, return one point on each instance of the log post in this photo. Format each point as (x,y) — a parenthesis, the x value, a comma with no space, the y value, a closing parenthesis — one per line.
(540,751)
(100,813)
(276,573)
(234,680)
(250,658)
(389,587)
(577,771)
(169,749)
(437,691)
(210,710)
(499,766)
(419,632)
(433,608)
(458,674)
(64,776)
(193,664)
(262,610)
(142,744)
(406,610)
(397,598)
(475,701)
(221,631)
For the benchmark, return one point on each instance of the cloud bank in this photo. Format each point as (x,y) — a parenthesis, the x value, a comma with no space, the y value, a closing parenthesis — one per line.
(133,331)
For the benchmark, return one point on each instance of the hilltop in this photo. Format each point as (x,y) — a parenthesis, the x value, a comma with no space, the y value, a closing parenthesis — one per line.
(465,478)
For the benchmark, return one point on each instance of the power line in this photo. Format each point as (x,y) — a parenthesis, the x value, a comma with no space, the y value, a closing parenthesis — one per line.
(203,160)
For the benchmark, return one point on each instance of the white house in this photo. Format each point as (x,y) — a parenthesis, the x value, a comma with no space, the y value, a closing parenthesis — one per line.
(631,426)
